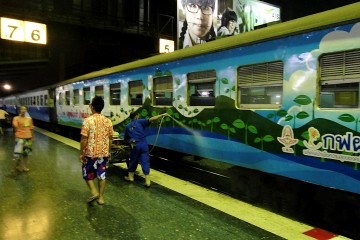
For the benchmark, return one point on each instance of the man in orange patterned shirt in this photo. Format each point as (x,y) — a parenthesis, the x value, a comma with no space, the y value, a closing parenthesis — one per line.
(95,143)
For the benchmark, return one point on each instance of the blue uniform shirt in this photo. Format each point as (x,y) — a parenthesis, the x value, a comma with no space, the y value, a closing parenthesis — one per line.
(135,131)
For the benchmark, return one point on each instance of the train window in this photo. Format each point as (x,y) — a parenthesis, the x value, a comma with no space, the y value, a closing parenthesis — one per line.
(163,91)
(115,94)
(33,100)
(339,80)
(61,98)
(99,91)
(46,99)
(86,94)
(135,92)
(201,88)
(261,85)
(76,97)
(41,100)
(37,101)
(67,97)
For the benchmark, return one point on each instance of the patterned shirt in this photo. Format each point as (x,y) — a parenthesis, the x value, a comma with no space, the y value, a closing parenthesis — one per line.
(98,129)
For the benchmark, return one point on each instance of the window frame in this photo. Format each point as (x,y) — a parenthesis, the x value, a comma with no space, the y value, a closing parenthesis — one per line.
(166,87)
(84,90)
(339,80)
(135,101)
(272,78)
(111,93)
(198,80)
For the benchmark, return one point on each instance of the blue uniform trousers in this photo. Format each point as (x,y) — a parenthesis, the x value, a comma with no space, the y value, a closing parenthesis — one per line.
(140,153)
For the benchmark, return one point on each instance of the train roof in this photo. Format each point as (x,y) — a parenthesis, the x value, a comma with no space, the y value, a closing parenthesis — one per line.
(328,18)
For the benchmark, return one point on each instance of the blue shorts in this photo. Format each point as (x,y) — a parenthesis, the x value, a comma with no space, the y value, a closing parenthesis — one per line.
(95,167)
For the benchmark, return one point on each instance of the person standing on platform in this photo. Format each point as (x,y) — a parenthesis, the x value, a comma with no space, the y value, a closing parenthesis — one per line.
(3,114)
(95,143)
(135,136)
(23,126)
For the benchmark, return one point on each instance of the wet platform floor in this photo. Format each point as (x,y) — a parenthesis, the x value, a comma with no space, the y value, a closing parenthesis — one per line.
(49,202)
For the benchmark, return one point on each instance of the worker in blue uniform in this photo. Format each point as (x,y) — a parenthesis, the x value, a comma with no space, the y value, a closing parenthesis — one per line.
(135,136)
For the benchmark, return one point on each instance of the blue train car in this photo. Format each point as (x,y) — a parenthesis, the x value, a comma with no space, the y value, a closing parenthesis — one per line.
(9,104)
(282,100)
(249,113)
(39,104)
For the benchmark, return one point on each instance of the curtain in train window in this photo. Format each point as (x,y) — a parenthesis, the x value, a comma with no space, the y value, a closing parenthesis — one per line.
(86,95)
(339,80)
(260,85)
(163,91)
(115,94)
(201,88)
(136,92)
(99,91)
(76,97)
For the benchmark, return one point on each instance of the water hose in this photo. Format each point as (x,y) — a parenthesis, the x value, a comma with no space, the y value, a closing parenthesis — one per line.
(157,135)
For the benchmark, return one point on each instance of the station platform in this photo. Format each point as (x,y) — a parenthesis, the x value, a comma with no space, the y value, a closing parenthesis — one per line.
(49,202)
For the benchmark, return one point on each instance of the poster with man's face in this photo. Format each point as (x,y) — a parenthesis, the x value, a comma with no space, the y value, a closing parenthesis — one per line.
(200,21)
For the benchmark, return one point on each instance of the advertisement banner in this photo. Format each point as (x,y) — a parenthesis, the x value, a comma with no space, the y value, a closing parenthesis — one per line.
(200,21)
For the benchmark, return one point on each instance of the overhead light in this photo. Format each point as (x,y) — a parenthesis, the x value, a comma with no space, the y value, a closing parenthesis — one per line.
(7,86)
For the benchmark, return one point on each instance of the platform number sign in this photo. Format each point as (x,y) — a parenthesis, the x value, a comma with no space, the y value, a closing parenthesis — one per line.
(166,46)
(24,31)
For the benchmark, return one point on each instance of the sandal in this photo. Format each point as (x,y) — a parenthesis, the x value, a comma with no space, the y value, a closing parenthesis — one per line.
(100,202)
(92,198)
(25,170)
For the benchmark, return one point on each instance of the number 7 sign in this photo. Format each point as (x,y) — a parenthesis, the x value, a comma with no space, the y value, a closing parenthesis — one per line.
(12,29)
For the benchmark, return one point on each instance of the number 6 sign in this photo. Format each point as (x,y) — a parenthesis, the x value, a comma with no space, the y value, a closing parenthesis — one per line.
(24,31)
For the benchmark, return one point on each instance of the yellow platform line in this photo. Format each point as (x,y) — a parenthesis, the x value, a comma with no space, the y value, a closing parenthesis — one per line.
(271,222)
(67,141)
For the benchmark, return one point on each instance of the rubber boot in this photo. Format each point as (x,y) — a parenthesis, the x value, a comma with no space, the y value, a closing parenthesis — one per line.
(147,181)
(130,177)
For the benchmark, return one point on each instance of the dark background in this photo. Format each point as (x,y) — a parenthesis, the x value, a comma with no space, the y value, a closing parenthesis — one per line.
(91,35)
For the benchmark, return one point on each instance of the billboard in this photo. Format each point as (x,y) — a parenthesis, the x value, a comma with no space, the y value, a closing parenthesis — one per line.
(200,21)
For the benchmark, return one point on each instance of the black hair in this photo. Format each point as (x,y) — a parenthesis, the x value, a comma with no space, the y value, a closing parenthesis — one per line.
(210,35)
(228,15)
(133,115)
(98,104)
(210,3)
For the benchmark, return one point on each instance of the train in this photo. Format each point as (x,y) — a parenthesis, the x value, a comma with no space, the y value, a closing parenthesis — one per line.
(269,116)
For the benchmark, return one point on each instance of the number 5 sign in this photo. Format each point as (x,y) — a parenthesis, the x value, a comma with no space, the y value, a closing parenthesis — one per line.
(24,31)
(166,45)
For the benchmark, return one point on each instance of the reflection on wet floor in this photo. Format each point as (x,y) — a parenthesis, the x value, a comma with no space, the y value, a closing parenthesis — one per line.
(48,202)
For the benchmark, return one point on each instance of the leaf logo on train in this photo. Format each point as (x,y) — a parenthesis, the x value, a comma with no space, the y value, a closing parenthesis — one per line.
(325,146)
